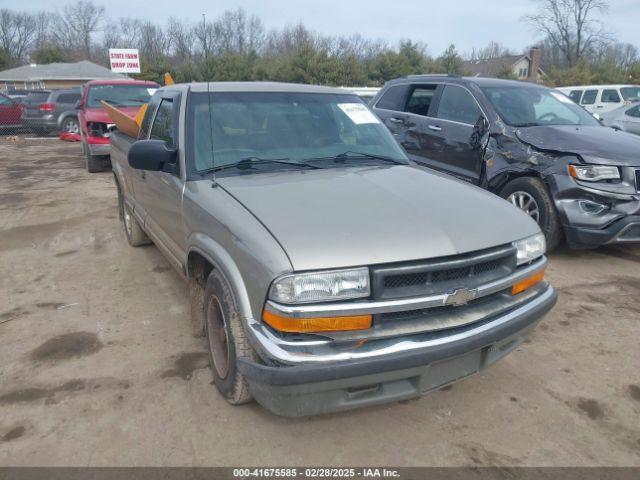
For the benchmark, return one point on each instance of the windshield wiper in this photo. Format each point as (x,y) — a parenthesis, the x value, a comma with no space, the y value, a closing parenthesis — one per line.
(249,162)
(527,124)
(344,156)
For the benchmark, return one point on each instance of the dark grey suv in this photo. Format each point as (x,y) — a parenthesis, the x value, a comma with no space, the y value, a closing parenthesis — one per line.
(527,143)
(48,111)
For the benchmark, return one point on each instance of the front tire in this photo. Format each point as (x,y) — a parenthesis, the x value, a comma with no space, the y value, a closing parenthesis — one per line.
(94,162)
(226,340)
(531,195)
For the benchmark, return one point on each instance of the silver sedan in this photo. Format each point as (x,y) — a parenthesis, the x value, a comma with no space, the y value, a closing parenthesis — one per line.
(625,118)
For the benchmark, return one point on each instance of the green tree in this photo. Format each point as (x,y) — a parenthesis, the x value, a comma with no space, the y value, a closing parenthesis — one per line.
(580,74)
(450,61)
(49,54)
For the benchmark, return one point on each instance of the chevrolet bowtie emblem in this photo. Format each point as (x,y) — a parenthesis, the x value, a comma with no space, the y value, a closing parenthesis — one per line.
(460,296)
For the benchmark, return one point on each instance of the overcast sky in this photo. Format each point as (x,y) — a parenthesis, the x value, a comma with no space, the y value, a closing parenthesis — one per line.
(466,23)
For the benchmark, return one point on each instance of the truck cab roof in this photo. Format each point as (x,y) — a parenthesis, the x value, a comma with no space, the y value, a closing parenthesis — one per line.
(276,87)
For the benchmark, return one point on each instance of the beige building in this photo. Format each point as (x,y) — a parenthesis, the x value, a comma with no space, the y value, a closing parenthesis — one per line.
(54,75)
(522,67)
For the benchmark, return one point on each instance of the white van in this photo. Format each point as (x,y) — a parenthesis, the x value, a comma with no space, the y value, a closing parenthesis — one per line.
(602,98)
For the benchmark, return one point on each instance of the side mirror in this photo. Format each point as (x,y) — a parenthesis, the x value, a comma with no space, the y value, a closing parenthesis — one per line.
(78,105)
(154,155)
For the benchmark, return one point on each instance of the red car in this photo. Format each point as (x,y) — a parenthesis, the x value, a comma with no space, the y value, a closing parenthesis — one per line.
(10,111)
(126,95)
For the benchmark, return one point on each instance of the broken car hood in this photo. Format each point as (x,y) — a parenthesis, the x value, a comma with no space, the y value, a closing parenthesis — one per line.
(342,217)
(600,145)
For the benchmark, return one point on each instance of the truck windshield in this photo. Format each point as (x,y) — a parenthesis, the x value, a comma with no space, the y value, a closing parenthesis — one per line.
(298,127)
(119,95)
(523,106)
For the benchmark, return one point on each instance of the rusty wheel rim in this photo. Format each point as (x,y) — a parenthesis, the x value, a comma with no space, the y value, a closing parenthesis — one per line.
(217,337)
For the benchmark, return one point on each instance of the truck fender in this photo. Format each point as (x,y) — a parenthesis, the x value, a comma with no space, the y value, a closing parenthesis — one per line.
(218,257)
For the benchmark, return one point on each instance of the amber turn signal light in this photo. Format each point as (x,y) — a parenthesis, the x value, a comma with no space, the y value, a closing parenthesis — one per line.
(528,282)
(317,324)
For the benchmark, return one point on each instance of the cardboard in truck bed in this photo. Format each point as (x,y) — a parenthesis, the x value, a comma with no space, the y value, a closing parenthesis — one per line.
(125,123)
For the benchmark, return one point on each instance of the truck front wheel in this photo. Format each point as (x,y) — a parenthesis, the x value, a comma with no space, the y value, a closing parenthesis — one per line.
(94,162)
(226,340)
(531,196)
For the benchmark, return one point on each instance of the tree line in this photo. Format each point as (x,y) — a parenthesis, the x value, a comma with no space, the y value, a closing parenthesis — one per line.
(238,46)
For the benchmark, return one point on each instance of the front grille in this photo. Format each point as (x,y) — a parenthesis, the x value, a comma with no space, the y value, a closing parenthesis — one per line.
(638,180)
(442,275)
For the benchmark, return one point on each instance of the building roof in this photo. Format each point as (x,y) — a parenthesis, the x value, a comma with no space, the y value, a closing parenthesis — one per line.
(490,66)
(83,70)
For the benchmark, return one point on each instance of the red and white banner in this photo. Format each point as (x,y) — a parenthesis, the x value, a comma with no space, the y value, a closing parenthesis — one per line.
(124,60)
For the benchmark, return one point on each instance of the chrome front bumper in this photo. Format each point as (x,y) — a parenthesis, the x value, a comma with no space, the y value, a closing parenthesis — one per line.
(287,350)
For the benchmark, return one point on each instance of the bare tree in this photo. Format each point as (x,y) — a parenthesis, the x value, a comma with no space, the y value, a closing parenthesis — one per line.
(17,31)
(492,50)
(76,25)
(182,38)
(571,26)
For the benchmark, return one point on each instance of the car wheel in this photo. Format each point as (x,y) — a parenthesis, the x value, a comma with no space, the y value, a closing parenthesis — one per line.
(71,125)
(531,196)
(94,162)
(226,340)
(132,229)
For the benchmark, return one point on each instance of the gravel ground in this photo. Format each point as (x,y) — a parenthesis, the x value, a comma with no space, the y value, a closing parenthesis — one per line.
(98,366)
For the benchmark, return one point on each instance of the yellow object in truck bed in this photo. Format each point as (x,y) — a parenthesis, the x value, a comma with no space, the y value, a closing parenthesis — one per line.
(125,123)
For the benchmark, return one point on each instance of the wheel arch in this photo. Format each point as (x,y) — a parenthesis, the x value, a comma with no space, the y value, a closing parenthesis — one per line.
(205,254)
(64,115)
(498,182)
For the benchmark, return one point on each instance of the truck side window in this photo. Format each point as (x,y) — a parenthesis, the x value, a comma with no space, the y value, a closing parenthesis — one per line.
(420,99)
(458,105)
(393,99)
(610,96)
(589,97)
(575,95)
(162,128)
(148,116)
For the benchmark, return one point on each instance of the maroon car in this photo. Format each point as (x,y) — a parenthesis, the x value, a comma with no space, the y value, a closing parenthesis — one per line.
(126,95)
(10,112)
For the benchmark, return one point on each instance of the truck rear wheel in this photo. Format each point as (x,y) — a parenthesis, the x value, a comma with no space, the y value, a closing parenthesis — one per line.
(530,195)
(132,229)
(226,340)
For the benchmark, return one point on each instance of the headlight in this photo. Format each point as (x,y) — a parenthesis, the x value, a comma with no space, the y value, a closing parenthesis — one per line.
(530,248)
(321,286)
(594,173)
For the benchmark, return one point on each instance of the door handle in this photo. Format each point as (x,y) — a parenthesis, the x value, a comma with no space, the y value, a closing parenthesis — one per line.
(396,120)
(143,175)
(435,128)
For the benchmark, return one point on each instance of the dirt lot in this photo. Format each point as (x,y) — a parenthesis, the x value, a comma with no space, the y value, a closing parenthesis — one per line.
(98,365)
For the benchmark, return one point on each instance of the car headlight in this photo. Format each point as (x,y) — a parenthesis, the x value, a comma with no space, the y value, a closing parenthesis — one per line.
(594,173)
(321,286)
(530,248)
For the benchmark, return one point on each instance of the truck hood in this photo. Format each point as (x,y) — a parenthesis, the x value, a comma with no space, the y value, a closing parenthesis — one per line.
(341,217)
(599,145)
(101,115)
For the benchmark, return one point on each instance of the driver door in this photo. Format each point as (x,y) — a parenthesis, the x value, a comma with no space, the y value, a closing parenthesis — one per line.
(163,200)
